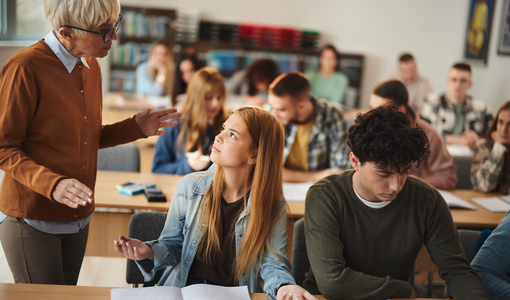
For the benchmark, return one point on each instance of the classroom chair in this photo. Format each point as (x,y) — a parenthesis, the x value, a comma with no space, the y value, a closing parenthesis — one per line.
(300,262)
(463,164)
(145,226)
(125,158)
(471,241)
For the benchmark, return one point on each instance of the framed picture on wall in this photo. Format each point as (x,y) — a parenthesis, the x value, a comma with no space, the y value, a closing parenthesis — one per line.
(478,31)
(504,30)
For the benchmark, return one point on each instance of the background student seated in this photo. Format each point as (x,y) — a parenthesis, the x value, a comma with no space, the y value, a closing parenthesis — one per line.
(492,262)
(249,86)
(187,66)
(365,227)
(316,130)
(328,82)
(490,171)
(185,148)
(155,76)
(227,226)
(458,117)
(439,169)
(417,86)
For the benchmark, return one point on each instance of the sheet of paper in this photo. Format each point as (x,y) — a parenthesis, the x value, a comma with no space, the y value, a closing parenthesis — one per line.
(208,292)
(295,191)
(494,204)
(459,150)
(454,201)
(153,293)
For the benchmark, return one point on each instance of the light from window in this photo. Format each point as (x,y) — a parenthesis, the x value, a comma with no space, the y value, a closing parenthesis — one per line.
(30,19)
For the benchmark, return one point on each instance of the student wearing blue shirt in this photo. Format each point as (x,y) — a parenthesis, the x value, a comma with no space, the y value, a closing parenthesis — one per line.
(155,76)
(492,262)
(227,226)
(185,148)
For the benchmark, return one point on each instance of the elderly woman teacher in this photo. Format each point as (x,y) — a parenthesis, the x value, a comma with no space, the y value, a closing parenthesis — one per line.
(50,131)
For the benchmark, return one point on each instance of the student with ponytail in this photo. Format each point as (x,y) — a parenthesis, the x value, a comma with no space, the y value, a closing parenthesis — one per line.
(227,225)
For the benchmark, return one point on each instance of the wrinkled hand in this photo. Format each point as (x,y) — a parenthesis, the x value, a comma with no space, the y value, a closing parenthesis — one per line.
(72,193)
(293,292)
(495,137)
(133,249)
(151,122)
(195,162)
(326,172)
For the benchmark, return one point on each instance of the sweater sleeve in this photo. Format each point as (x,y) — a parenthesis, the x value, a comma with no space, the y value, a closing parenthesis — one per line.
(18,105)
(440,163)
(492,263)
(334,279)
(167,158)
(338,94)
(446,252)
(487,165)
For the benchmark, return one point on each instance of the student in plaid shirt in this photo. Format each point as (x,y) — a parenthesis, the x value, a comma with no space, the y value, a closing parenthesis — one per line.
(316,132)
(490,171)
(459,118)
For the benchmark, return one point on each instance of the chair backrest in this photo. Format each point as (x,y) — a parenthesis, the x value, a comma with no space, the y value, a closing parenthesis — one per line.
(300,262)
(124,158)
(469,240)
(145,226)
(463,164)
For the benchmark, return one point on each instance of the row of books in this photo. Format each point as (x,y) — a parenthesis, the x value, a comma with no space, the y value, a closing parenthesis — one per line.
(129,54)
(137,24)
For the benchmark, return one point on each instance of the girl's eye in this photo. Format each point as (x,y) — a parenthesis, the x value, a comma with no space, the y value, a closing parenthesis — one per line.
(232,135)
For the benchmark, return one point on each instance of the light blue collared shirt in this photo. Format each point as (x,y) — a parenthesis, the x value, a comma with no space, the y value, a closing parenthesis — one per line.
(69,62)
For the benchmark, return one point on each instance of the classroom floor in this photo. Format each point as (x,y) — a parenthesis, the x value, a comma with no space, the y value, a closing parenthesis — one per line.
(95,271)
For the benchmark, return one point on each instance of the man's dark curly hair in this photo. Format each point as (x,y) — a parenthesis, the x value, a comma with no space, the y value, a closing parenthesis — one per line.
(387,138)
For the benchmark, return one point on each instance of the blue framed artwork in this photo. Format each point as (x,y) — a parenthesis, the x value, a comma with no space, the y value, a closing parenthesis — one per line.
(478,31)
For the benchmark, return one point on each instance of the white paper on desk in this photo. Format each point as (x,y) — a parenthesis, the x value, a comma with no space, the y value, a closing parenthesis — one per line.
(153,293)
(494,204)
(159,101)
(191,292)
(454,201)
(459,150)
(296,191)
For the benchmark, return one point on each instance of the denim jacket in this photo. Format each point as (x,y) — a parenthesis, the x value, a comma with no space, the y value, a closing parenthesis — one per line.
(177,245)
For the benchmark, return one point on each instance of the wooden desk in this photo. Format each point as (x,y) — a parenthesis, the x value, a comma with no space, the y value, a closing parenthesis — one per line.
(18,291)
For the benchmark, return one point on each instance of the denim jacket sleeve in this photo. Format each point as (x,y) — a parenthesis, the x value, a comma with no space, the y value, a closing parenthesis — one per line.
(167,158)
(168,248)
(275,267)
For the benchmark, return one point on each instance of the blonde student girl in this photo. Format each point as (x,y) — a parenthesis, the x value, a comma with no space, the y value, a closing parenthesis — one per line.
(227,225)
(186,147)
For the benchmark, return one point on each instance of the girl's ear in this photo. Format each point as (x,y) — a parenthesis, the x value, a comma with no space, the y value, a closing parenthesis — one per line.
(253,158)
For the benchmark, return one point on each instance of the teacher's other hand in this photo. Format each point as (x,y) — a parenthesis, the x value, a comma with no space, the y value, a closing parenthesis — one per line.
(72,193)
(150,122)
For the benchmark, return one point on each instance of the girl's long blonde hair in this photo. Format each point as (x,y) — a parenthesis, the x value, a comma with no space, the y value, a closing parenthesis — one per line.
(265,187)
(170,65)
(205,82)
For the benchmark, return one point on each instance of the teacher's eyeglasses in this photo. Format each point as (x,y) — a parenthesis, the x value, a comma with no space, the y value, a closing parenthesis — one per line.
(107,36)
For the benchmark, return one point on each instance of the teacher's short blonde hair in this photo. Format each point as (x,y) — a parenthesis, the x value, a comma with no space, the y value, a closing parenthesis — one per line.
(86,14)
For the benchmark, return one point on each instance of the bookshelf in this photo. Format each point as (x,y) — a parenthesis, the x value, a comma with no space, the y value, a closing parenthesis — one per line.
(226,47)
(141,26)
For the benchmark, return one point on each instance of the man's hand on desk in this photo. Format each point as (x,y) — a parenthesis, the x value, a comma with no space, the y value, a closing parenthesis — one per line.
(133,249)
(150,122)
(72,193)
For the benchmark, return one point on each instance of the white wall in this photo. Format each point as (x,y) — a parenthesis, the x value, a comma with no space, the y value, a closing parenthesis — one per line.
(433,30)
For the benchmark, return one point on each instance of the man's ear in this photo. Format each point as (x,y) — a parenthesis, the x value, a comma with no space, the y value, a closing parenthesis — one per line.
(355,163)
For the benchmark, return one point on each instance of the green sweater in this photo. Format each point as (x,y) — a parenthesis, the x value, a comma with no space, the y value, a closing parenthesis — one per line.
(357,252)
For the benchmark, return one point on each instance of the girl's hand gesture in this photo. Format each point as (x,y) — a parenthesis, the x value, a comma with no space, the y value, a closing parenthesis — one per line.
(133,249)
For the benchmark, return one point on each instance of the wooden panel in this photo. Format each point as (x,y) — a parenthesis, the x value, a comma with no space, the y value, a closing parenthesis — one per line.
(103,229)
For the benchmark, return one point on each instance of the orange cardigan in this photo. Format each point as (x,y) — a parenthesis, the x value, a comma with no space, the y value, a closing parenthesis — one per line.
(50,129)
